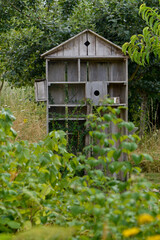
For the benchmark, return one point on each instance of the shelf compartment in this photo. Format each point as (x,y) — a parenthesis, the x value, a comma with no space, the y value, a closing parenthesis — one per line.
(66,94)
(77,112)
(76,93)
(57,125)
(117,90)
(56,71)
(56,112)
(70,113)
(117,71)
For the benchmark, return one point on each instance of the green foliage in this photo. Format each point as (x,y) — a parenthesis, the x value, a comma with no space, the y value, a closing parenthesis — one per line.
(40,184)
(141,46)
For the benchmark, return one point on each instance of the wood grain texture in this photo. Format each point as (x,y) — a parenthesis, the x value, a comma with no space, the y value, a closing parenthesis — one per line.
(72,71)
(92,45)
(102,48)
(117,71)
(56,71)
(98,71)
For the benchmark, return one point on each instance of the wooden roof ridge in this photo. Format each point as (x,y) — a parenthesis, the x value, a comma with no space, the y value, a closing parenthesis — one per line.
(77,35)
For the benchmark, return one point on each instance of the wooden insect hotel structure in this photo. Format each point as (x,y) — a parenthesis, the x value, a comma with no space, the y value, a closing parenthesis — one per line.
(87,66)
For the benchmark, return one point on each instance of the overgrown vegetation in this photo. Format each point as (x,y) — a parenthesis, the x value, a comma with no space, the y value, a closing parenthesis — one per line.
(79,197)
(41,185)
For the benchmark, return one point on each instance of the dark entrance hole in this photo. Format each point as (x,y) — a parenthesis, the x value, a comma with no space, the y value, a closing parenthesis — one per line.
(96,93)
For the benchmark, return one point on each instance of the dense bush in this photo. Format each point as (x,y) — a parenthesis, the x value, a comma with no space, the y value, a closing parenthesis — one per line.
(40,185)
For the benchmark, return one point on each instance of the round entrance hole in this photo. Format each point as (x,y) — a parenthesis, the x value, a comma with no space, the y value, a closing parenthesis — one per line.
(96,93)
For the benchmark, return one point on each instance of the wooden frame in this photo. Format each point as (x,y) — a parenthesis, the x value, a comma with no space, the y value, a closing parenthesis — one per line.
(87,66)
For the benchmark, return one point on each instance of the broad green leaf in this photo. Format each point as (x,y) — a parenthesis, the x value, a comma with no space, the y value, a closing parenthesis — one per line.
(13,224)
(137,158)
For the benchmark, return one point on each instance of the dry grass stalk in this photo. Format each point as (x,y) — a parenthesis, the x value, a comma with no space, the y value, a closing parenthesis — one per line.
(30,122)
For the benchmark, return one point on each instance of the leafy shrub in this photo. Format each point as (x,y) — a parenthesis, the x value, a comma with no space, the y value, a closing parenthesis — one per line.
(40,185)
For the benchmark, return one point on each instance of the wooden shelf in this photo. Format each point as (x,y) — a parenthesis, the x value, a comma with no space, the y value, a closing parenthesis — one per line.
(118,104)
(66,119)
(50,83)
(66,105)
(87,57)
(116,82)
(109,82)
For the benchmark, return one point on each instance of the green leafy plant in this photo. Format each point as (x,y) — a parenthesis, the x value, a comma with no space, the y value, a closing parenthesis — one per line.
(40,184)
(141,46)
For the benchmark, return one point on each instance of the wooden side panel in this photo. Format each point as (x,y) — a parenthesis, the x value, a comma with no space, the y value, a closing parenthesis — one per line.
(98,71)
(40,90)
(56,71)
(72,71)
(92,45)
(72,48)
(117,71)
(103,48)
(83,72)
(82,47)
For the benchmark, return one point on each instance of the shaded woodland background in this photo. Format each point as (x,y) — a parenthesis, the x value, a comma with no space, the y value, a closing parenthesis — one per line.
(30,27)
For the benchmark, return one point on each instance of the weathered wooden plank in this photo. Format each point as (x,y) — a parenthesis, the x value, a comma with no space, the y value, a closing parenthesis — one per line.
(56,71)
(98,71)
(79,70)
(97,58)
(102,48)
(57,94)
(40,90)
(72,71)
(72,48)
(92,45)
(116,52)
(82,47)
(60,52)
(83,73)
(117,71)
(55,54)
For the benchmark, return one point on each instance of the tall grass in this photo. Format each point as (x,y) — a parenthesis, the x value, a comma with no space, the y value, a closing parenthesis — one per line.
(150,144)
(30,122)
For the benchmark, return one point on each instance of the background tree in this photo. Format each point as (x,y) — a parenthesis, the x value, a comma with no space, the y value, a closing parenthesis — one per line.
(29,28)
(144,49)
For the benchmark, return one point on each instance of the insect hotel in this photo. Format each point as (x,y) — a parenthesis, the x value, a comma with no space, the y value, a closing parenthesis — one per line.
(85,67)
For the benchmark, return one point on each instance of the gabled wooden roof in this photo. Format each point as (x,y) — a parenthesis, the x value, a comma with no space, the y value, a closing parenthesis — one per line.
(86,43)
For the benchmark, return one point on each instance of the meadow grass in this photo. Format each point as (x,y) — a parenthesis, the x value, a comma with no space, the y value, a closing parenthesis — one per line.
(150,144)
(30,122)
